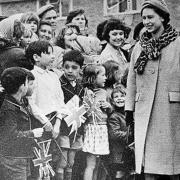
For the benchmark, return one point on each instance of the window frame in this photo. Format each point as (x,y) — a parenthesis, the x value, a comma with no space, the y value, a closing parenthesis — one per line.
(122,13)
(60,7)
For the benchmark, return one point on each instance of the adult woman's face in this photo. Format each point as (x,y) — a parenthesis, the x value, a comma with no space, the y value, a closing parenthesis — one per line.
(116,38)
(80,21)
(70,36)
(152,21)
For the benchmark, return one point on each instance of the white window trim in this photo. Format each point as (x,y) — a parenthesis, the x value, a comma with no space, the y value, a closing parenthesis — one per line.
(37,4)
(60,9)
(0,9)
(119,13)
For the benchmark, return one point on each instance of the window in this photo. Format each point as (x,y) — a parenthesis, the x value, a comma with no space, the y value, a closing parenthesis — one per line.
(121,6)
(65,7)
(62,6)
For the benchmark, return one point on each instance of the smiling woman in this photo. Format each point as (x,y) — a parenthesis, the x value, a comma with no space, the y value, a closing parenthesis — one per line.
(154,96)
(115,33)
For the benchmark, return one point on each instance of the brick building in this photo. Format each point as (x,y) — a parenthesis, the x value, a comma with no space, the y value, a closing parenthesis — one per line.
(96,10)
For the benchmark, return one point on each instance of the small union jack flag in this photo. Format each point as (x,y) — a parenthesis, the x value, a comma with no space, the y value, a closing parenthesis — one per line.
(92,107)
(43,159)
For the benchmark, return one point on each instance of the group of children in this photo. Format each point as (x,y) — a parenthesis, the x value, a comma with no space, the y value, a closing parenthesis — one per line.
(103,132)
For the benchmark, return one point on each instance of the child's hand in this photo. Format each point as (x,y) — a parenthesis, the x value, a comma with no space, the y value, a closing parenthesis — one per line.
(74,127)
(104,104)
(38,132)
(48,126)
(55,132)
(83,119)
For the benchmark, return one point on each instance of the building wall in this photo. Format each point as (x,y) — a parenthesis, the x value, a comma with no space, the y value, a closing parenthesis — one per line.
(94,12)
(174,6)
(8,9)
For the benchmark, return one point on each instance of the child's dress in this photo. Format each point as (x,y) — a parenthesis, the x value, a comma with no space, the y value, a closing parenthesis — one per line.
(95,132)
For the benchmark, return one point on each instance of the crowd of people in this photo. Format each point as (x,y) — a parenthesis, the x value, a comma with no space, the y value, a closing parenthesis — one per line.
(109,108)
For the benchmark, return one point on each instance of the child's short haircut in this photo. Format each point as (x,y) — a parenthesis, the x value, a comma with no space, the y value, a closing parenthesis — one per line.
(29,16)
(41,23)
(90,73)
(12,78)
(118,89)
(37,47)
(74,56)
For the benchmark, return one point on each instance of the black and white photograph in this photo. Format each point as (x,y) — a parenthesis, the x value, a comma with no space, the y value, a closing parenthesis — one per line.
(89,89)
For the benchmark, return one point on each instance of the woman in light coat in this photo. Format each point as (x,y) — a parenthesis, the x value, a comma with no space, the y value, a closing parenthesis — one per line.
(153,93)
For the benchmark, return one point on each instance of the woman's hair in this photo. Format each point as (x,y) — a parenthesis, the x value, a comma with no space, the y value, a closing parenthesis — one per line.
(111,67)
(12,78)
(115,24)
(137,30)
(60,38)
(18,29)
(29,16)
(161,13)
(75,13)
(90,73)
(100,29)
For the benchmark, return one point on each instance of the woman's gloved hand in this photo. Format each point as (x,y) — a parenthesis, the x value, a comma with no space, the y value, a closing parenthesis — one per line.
(129,118)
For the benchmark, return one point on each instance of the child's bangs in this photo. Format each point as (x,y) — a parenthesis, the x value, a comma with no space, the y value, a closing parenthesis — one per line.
(33,17)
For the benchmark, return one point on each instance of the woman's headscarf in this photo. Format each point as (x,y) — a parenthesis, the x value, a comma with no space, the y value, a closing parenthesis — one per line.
(8,25)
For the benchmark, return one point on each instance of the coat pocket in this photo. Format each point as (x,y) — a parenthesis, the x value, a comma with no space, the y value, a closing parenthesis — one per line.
(174,96)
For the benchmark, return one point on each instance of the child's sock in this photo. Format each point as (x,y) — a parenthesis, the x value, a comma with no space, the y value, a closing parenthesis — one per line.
(59,174)
(68,174)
